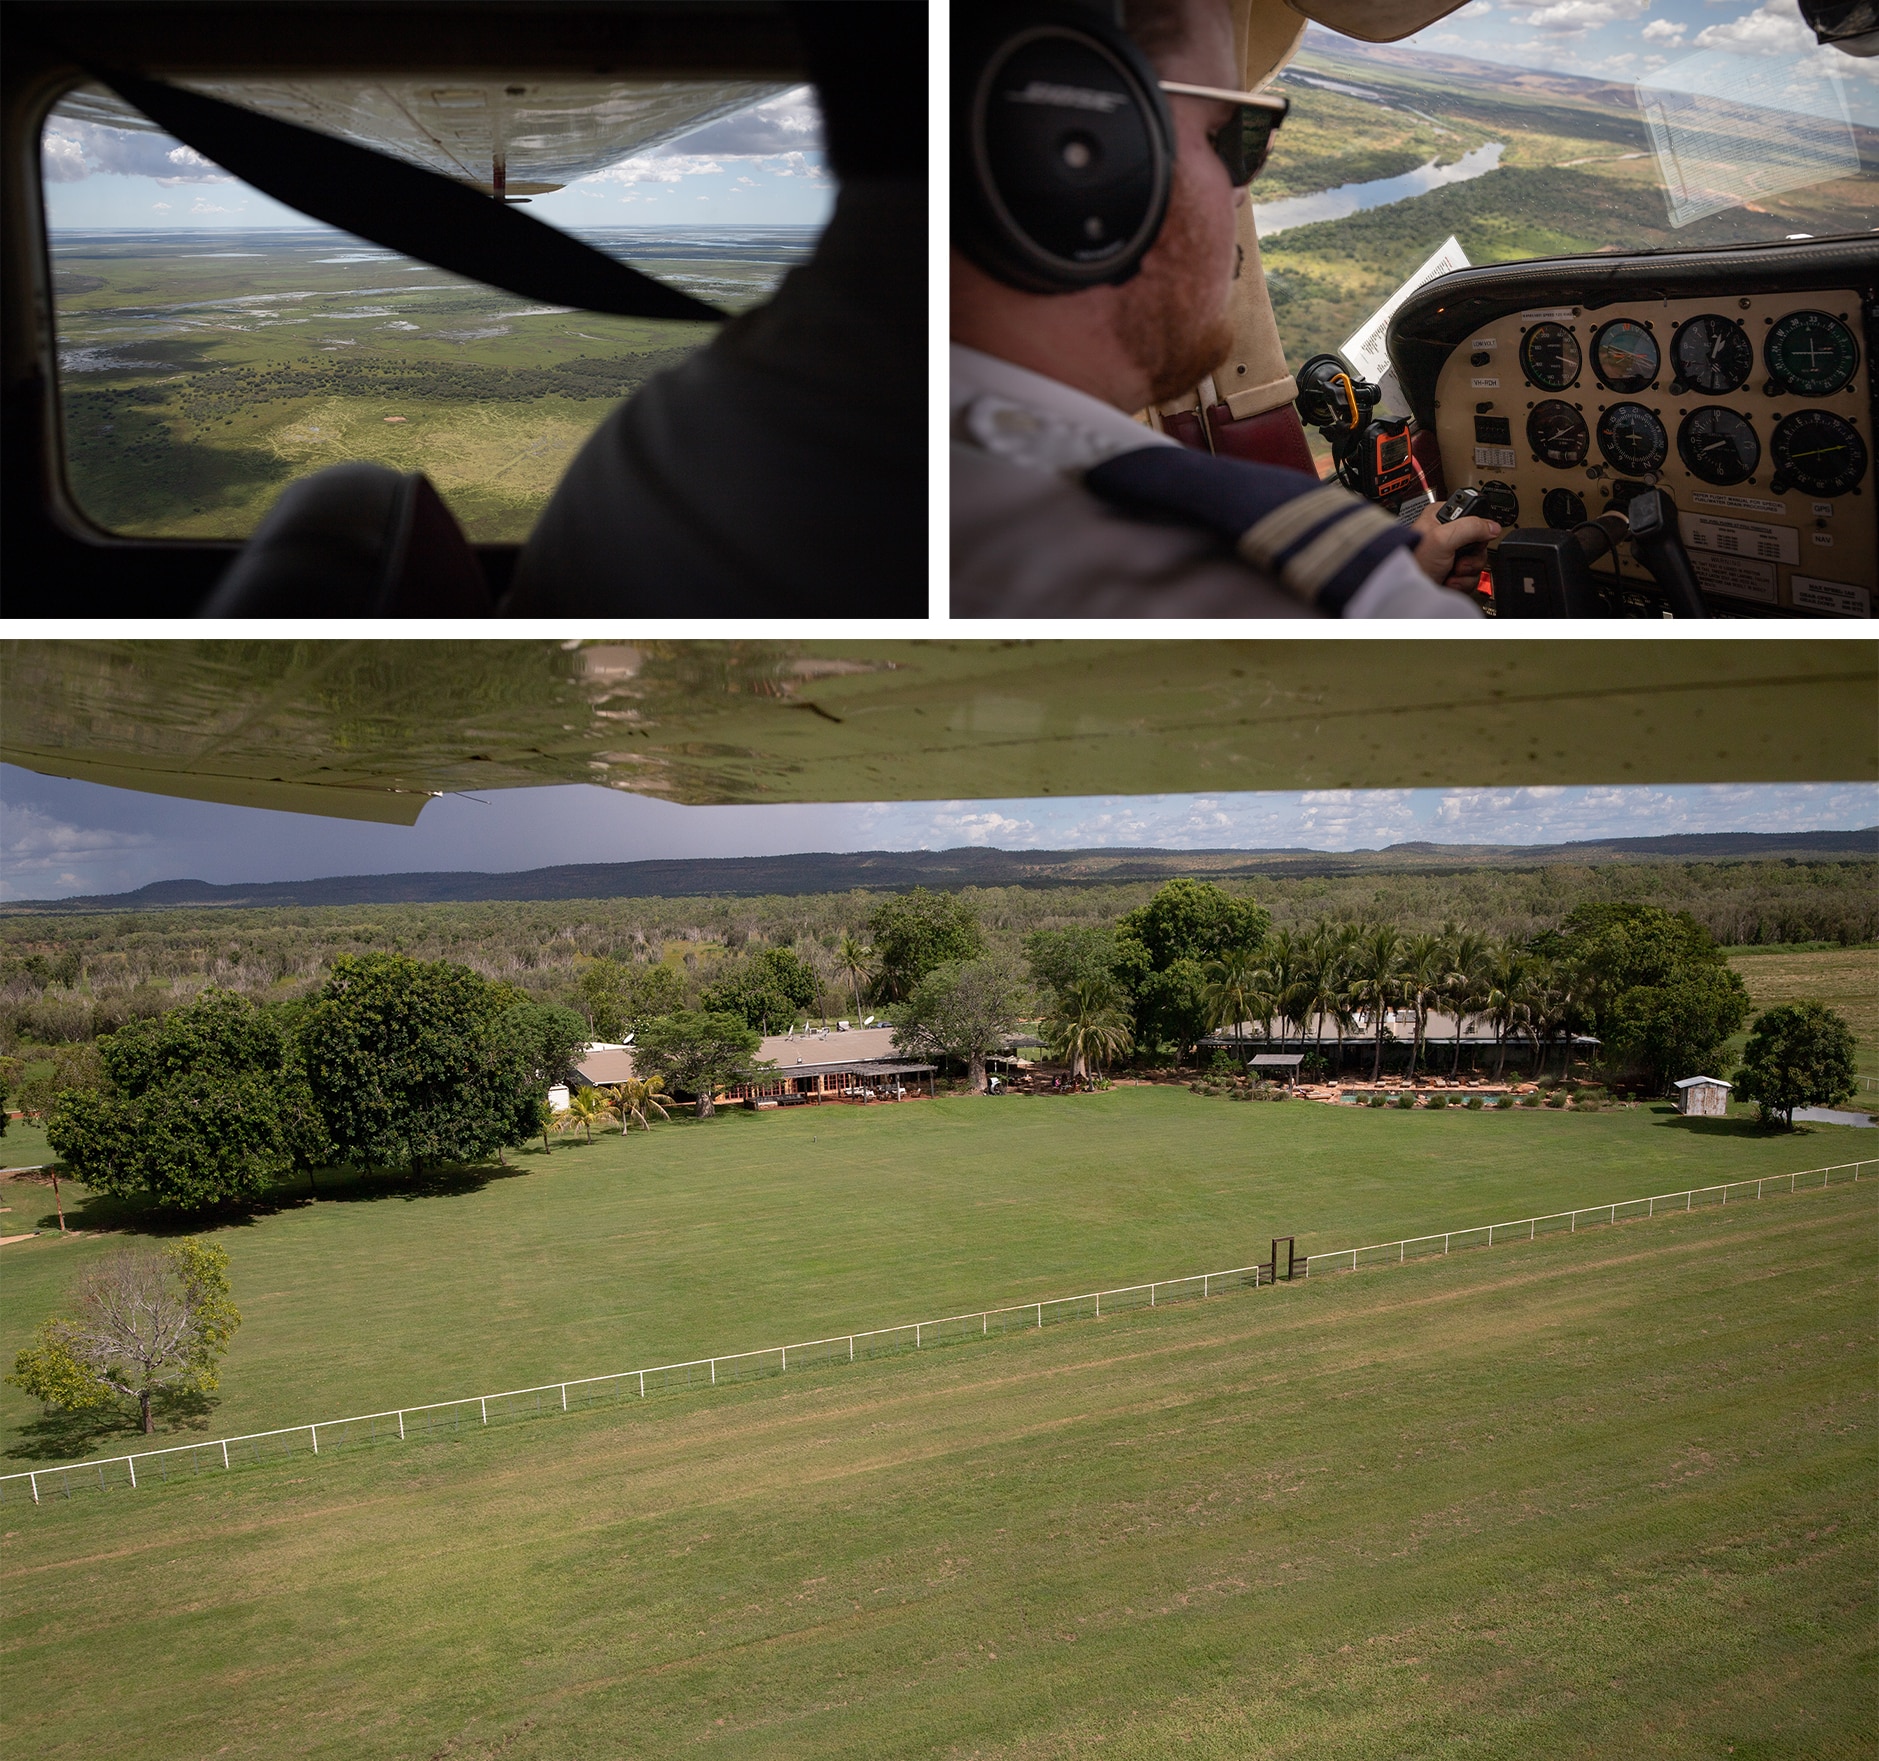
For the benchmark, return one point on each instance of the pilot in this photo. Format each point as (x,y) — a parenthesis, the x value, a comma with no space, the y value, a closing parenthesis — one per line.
(1065,505)
(781,471)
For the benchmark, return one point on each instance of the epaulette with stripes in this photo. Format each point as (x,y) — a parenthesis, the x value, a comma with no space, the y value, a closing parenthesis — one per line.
(1317,540)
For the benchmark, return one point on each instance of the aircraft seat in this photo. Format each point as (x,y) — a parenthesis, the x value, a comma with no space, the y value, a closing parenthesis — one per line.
(355,541)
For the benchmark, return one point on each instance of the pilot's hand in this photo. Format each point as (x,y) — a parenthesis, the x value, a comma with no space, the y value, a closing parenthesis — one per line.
(1453,555)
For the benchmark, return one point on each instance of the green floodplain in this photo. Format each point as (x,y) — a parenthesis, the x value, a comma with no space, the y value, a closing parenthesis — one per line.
(201,371)
(1601,1495)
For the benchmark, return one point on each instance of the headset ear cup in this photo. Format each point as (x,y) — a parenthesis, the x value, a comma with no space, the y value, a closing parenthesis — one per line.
(1063,148)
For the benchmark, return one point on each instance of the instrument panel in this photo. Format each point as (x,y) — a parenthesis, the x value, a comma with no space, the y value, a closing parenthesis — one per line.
(1755,412)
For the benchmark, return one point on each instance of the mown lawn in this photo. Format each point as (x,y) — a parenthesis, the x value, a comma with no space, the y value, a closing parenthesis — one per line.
(1845,979)
(1608,1495)
(754,1230)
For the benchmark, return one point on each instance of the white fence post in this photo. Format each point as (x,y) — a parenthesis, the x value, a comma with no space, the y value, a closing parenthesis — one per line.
(35,1481)
(313,1431)
(130,1461)
(225,1457)
(851,1348)
(1040,1317)
(785,1350)
(642,1384)
(714,1372)
(564,1397)
(1099,1305)
(401,1427)
(483,1402)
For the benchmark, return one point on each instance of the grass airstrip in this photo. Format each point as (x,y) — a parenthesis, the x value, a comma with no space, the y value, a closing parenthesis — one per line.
(1603,1495)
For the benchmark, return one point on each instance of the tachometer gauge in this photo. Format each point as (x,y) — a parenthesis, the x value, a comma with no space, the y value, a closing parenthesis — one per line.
(1557,433)
(1549,356)
(1817,451)
(1624,355)
(1713,354)
(1718,445)
(1563,509)
(1811,354)
(1632,439)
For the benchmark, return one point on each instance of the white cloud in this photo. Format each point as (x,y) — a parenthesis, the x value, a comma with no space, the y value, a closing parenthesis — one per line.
(1664,30)
(782,136)
(1773,28)
(1575,18)
(160,207)
(72,150)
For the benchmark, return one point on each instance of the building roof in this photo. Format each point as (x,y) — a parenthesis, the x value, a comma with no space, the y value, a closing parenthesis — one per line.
(604,1065)
(1693,1081)
(1279,1058)
(819,1052)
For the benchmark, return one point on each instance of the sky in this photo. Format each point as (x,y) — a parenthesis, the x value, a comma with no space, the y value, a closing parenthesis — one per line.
(60,838)
(1635,39)
(762,166)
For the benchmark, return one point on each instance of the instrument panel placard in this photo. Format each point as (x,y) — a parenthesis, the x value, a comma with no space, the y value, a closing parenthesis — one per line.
(1754,412)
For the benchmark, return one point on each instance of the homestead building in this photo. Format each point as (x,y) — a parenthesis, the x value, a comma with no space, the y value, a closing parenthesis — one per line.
(818,1064)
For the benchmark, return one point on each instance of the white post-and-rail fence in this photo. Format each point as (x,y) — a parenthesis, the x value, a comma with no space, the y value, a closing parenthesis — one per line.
(479,1410)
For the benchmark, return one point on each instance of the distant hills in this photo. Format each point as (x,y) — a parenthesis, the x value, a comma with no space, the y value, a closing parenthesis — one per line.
(890,870)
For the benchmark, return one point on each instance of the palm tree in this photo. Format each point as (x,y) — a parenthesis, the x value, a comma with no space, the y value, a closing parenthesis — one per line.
(1321,987)
(1285,963)
(585,1105)
(1376,974)
(1508,980)
(852,960)
(1422,971)
(545,1120)
(1087,1026)
(638,1098)
(1232,994)
(1464,956)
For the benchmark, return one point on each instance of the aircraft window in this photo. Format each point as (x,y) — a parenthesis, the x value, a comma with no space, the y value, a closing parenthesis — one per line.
(1588,129)
(214,345)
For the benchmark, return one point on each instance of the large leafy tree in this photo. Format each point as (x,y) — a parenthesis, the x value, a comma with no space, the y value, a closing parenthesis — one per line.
(697,1052)
(620,998)
(206,1105)
(149,1321)
(414,1061)
(965,1009)
(768,990)
(1798,1055)
(1163,950)
(917,931)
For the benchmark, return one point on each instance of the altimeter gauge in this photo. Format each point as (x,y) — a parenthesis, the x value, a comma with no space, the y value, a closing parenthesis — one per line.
(1557,434)
(1632,439)
(1811,354)
(1817,451)
(1718,445)
(1624,355)
(1712,354)
(1549,356)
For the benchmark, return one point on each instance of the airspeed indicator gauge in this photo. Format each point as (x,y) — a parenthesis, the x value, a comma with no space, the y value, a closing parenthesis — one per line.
(1557,434)
(1632,439)
(1811,354)
(1718,445)
(1712,354)
(1817,451)
(1549,356)
(1624,355)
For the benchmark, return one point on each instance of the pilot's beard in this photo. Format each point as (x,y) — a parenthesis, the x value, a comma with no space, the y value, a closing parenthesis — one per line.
(1172,318)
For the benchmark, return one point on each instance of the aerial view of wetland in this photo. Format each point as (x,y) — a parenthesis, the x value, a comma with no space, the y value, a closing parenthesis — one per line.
(203,370)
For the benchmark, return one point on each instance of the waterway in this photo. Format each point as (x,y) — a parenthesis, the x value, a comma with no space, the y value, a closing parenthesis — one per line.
(1353,198)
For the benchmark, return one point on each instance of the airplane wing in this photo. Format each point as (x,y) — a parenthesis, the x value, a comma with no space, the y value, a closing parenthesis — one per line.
(371,730)
(520,137)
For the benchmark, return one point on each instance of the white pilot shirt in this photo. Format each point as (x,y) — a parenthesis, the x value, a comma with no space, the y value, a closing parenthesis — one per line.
(1028,540)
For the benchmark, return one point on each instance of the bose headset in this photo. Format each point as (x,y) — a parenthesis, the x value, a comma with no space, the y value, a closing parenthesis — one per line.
(1063,148)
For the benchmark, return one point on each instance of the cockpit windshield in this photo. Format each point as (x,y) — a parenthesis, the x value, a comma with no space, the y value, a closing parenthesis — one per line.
(1541,128)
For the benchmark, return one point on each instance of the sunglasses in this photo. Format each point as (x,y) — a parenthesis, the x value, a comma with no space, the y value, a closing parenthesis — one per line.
(1245,138)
